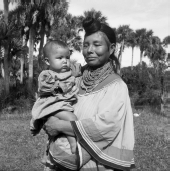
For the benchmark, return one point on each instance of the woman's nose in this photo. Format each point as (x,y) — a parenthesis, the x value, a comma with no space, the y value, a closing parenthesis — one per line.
(90,49)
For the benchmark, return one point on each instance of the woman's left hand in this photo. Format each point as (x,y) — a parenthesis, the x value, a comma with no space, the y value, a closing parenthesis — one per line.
(51,126)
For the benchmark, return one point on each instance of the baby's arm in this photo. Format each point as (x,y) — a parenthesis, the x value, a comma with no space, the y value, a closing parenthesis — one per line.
(68,116)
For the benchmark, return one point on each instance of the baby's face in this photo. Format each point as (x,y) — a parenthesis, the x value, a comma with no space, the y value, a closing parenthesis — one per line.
(59,59)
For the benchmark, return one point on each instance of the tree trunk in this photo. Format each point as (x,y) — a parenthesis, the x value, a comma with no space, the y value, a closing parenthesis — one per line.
(6,9)
(6,69)
(6,48)
(41,48)
(31,50)
(1,62)
(167,92)
(121,51)
(132,58)
(22,60)
(162,94)
(2,70)
(141,56)
(22,69)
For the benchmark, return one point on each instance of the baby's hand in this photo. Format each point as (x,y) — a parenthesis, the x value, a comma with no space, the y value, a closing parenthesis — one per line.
(34,132)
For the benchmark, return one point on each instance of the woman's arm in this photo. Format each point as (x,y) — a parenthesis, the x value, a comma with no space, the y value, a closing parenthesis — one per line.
(54,126)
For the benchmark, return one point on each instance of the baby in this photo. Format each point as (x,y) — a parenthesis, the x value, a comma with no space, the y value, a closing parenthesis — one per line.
(56,89)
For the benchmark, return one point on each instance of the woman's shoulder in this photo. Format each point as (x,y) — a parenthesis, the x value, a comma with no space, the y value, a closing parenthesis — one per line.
(108,84)
(109,81)
(111,78)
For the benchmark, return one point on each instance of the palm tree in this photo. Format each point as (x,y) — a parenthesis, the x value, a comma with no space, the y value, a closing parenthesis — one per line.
(132,43)
(143,38)
(12,33)
(166,41)
(74,41)
(67,30)
(166,83)
(155,52)
(39,16)
(96,15)
(5,42)
(51,17)
(123,32)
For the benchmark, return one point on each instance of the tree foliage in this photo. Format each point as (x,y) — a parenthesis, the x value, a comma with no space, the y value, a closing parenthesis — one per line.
(96,15)
(166,41)
(145,90)
(51,19)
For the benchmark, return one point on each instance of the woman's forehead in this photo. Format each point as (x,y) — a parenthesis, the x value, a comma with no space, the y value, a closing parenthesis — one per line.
(98,36)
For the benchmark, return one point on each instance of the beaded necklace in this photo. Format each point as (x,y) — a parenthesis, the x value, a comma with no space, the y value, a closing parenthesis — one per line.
(91,78)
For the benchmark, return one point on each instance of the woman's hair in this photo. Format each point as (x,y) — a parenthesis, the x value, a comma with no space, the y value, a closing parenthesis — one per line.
(91,26)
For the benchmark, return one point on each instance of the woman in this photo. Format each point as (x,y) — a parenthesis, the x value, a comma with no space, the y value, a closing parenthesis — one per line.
(105,121)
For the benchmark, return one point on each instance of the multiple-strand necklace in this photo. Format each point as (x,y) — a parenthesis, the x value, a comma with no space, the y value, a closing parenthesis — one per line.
(91,78)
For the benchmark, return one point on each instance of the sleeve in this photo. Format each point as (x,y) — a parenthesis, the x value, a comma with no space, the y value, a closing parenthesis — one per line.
(104,127)
(46,83)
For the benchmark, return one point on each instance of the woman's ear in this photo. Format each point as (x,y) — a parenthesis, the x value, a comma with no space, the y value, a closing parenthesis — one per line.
(111,48)
(47,61)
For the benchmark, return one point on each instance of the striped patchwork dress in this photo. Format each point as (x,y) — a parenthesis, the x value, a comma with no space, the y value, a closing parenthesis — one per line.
(105,128)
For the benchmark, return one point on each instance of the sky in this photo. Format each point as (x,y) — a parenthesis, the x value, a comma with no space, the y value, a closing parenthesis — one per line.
(149,14)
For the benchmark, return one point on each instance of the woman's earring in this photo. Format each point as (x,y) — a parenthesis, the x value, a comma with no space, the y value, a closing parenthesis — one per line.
(116,50)
(112,48)
(47,61)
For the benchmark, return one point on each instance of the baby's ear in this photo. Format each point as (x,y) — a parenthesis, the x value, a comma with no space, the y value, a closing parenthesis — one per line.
(47,61)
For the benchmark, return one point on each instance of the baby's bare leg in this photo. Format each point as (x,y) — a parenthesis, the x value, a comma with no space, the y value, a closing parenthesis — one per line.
(68,116)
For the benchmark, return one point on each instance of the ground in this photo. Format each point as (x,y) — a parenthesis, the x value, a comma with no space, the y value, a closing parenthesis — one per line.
(20,151)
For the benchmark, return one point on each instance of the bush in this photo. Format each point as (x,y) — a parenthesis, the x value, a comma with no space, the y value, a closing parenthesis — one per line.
(18,98)
(144,88)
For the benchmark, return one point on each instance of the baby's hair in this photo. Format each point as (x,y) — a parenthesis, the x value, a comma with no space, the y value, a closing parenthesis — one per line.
(51,43)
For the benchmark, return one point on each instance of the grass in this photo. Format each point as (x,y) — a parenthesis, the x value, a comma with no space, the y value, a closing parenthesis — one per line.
(19,151)
(151,142)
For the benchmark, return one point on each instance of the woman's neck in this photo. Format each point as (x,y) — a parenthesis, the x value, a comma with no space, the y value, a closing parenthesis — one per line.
(102,84)
(91,78)
(97,67)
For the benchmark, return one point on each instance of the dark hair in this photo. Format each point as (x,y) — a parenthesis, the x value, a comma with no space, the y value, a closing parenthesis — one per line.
(91,26)
(52,43)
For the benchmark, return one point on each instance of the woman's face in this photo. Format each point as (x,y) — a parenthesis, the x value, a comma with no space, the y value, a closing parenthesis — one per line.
(96,50)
